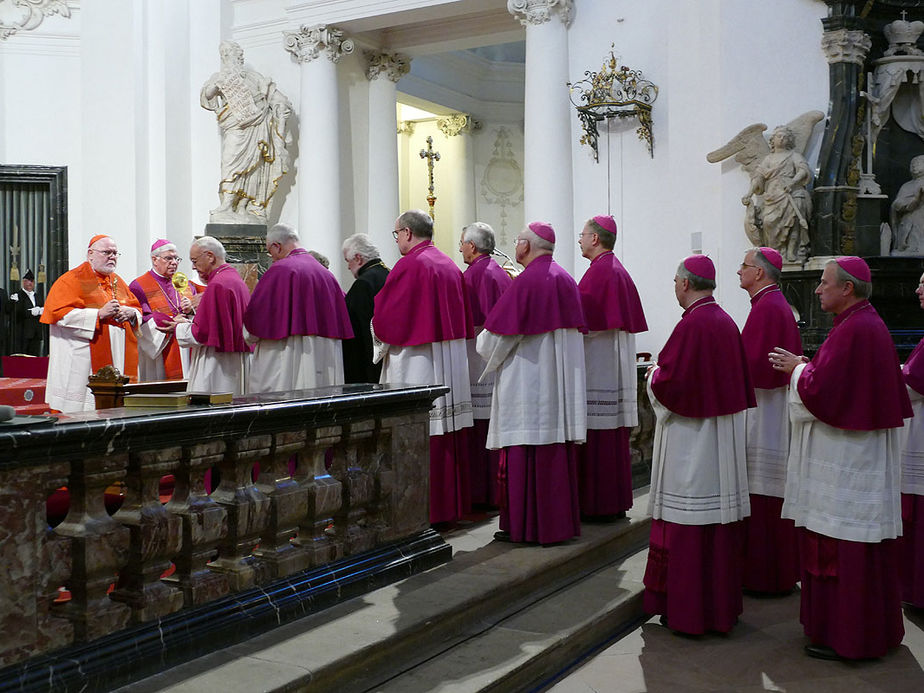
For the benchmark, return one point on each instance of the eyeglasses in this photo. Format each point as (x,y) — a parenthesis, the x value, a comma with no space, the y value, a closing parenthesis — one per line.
(194,260)
(744,264)
(170,260)
(107,253)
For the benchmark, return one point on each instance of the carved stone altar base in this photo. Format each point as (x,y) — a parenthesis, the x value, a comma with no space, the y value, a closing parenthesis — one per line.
(363,523)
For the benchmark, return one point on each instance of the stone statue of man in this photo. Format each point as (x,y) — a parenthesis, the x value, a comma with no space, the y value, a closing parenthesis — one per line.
(252,116)
(907,213)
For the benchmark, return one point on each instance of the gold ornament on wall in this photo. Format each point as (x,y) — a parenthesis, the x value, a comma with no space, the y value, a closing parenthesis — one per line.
(616,91)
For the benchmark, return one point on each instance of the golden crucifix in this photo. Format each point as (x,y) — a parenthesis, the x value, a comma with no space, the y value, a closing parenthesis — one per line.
(430,156)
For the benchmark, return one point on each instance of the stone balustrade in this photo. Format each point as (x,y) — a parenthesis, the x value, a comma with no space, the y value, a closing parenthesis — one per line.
(156,583)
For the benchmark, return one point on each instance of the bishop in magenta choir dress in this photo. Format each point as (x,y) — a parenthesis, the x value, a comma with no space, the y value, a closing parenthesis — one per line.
(700,390)
(532,341)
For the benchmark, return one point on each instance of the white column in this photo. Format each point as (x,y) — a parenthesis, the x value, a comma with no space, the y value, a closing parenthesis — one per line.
(462,125)
(317,50)
(113,113)
(383,71)
(203,59)
(548,193)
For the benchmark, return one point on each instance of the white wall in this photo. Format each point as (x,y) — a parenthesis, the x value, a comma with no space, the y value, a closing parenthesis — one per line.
(720,65)
(40,115)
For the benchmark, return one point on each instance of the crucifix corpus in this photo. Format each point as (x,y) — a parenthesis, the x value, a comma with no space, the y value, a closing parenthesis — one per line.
(430,156)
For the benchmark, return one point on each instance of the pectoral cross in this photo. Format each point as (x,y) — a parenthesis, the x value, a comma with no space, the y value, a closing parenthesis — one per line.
(430,156)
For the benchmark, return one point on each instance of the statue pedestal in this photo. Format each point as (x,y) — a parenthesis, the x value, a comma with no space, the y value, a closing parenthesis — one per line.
(871,211)
(245,247)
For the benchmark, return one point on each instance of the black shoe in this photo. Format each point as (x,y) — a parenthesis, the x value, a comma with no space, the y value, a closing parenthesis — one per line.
(679,633)
(501,535)
(822,652)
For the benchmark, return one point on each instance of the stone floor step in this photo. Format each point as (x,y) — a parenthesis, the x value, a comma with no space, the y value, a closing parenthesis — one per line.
(534,645)
(485,591)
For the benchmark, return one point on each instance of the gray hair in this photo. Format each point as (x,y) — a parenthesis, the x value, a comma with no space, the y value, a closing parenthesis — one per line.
(697,282)
(773,274)
(360,244)
(211,245)
(320,258)
(537,241)
(861,289)
(481,235)
(418,221)
(607,237)
(157,252)
(282,234)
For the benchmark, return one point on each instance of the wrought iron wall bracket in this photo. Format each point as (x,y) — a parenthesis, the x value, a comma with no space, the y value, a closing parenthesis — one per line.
(616,91)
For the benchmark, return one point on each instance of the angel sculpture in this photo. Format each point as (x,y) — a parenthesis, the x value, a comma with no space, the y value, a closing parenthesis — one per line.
(778,204)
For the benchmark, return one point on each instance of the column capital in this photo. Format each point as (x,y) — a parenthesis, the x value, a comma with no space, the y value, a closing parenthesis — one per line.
(309,42)
(540,11)
(455,123)
(391,65)
(845,46)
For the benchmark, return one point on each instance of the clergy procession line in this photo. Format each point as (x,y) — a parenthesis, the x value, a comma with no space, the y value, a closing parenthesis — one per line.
(768,469)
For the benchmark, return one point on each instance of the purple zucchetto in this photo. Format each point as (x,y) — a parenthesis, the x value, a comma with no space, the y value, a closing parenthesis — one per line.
(606,222)
(701,266)
(855,266)
(772,256)
(544,230)
(162,245)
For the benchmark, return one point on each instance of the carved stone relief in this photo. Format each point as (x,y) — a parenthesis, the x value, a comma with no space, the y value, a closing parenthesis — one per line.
(456,123)
(25,15)
(309,42)
(540,11)
(391,65)
(502,181)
